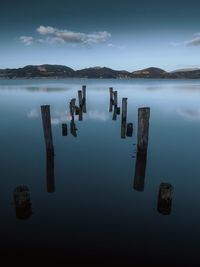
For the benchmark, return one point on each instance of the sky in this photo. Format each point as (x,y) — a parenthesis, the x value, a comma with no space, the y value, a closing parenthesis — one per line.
(123,35)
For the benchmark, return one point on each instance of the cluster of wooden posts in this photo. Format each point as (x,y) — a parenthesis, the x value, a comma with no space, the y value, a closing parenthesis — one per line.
(22,199)
(165,190)
(76,110)
(164,202)
(126,128)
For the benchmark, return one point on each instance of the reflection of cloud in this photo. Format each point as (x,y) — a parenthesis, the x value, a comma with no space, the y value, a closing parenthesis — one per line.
(58,117)
(98,115)
(189,87)
(44,89)
(33,113)
(190,114)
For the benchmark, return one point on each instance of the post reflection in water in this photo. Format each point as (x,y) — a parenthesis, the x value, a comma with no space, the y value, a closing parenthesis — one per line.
(165,198)
(140,171)
(142,145)
(22,202)
(73,128)
(124,117)
(50,173)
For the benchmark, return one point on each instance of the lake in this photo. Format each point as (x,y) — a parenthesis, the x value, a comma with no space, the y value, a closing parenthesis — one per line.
(85,204)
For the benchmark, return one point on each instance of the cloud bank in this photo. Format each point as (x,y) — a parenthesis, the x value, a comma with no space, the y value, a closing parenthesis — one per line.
(51,35)
(195,41)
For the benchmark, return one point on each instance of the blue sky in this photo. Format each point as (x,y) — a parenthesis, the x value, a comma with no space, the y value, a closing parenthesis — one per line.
(122,35)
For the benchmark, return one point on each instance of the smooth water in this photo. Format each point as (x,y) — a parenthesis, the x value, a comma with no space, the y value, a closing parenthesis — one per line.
(94,215)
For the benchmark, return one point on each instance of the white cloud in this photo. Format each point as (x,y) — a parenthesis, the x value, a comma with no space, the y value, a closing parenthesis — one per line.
(27,40)
(45,30)
(194,42)
(57,36)
(116,46)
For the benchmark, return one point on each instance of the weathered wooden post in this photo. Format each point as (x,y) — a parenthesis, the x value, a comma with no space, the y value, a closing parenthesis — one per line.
(22,201)
(46,119)
(115,102)
(111,99)
(143,129)
(165,198)
(72,107)
(124,115)
(140,170)
(142,145)
(118,110)
(64,129)
(73,128)
(129,129)
(80,99)
(84,98)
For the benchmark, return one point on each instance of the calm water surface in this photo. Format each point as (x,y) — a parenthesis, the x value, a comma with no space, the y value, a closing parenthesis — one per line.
(94,214)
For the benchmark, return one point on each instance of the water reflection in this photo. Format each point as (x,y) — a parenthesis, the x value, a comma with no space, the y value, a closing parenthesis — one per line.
(142,145)
(64,129)
(46,120)
(22,202)
(165,198)
(73,129)
(50,172)
(140,171)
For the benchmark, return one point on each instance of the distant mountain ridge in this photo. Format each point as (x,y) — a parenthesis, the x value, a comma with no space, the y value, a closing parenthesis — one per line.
(60,71)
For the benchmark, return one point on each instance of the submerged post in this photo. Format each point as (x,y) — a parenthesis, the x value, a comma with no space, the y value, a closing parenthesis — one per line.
(124,116)
(111,99)
(46,119)
(129,129)
(165,198)
(143,129)
(84,98)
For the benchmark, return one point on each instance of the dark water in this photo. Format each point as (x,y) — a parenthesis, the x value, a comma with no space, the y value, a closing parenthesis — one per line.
(94,214)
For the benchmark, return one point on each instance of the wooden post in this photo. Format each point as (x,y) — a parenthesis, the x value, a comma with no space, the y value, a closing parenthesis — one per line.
(111,99)
(64,129)
(118,110)
(129,129)
(50,173)
(80,99)
(46,119)
(115,102)
(143,129)
(124,115)
(140,170)
(165,198)
(84,98)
